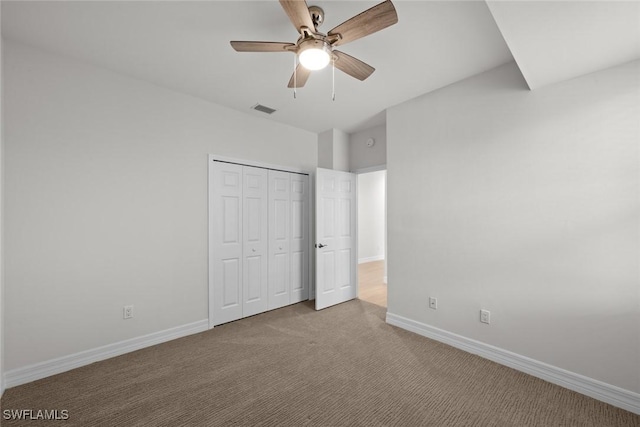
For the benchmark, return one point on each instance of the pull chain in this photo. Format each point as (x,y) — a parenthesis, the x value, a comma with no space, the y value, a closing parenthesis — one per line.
(333,77)
(295,74)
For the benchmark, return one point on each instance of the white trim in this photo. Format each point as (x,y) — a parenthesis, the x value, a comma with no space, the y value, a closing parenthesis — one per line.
(599,390)
(312,236)
(384,280)
(356,239)
(210,240)
(45,369)
(370,259)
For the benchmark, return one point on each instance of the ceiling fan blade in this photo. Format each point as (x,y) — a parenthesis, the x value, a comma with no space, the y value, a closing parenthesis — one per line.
(298,13)
(368,22)
(260,46)
(299,77)
(352,66)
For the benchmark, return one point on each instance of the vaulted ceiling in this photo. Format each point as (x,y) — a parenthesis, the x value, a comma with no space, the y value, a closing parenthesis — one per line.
(184,46)
(554,41)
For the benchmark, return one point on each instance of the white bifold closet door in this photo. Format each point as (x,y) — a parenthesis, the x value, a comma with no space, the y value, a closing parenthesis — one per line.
(255,238)
(279,236)
(240,231)
(288,238)
(226,245)
(259,240)
(299,241)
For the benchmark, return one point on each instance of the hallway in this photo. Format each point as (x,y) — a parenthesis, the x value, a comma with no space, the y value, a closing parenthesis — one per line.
(371,287)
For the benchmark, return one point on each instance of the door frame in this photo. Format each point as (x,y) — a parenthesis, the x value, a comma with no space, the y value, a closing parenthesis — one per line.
(379,168)
(210,209)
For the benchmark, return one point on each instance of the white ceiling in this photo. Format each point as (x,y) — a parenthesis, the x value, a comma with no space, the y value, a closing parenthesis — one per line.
(553,41)
(184,46)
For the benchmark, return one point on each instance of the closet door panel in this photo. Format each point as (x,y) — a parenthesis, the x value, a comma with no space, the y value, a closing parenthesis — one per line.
(279,239)
(297,276)
(280,272)
(253,280)
(299,242)
(230,282)
(255,243)
(227,242)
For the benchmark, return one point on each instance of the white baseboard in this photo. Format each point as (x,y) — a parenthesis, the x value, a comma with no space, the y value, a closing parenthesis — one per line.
(370,259)
(45,369)
(599,390)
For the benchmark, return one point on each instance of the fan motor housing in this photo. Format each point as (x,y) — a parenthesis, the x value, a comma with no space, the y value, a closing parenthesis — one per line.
(314,44)
(317,15)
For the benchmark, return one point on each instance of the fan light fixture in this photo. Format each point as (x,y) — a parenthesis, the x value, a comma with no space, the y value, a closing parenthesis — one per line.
(314,54)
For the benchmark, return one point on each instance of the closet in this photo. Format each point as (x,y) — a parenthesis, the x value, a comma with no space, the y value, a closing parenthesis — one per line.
(258,239)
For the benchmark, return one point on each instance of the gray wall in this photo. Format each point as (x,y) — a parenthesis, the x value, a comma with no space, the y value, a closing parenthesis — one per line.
(333,150)
(106,201)
(363,157)
(325,149)
(526,204)
(340,150)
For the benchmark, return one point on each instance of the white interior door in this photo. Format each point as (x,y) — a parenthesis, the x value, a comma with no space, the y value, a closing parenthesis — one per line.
(336,238)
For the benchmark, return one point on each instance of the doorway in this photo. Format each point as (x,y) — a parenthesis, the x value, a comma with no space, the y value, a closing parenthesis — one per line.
(372,237)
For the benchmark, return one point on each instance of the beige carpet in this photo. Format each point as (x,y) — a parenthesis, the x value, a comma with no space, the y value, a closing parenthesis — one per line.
(294,367)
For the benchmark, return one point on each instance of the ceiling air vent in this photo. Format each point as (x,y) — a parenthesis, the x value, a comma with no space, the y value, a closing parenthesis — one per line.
(263,109)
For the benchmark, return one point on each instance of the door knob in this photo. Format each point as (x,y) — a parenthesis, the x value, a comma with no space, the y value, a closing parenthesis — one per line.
(320,245)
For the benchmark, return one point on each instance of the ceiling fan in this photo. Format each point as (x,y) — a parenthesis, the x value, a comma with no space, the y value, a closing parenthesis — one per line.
(314,49)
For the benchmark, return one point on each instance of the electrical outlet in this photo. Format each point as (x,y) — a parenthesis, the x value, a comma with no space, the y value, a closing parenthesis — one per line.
(127,312)
(433,302)
(485,316)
